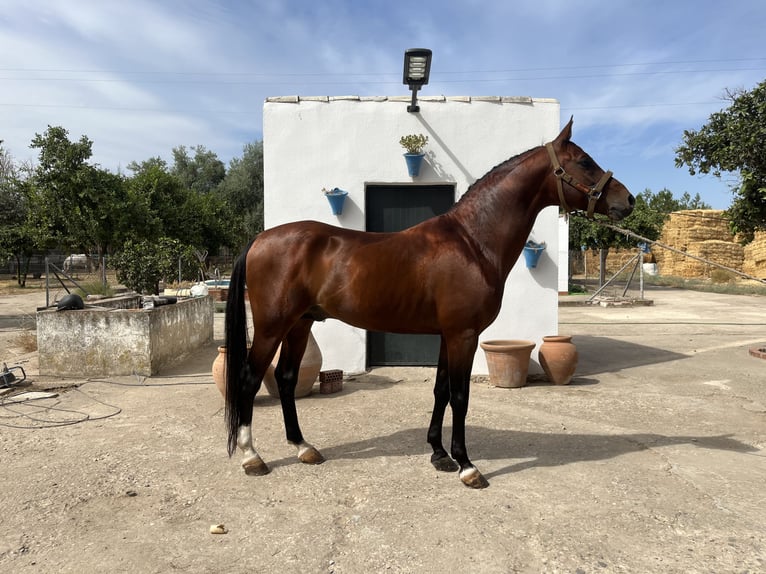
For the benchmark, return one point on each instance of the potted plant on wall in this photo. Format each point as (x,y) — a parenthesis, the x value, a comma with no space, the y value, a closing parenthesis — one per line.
(532,252)
(336,197)
(414,144)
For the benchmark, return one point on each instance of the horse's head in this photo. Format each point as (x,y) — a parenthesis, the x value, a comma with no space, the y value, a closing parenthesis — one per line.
(582,184)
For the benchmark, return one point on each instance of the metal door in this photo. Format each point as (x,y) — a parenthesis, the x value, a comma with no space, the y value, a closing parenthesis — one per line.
(393,208)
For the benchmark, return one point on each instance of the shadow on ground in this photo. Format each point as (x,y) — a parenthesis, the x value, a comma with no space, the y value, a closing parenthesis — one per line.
(605,355)
(536,449)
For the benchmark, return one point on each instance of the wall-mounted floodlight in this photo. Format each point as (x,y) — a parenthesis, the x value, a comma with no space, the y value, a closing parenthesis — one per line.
(417,68)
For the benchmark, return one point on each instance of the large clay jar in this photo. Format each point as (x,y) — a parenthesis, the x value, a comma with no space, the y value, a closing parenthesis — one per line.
(219,371)
(508,361)
(558,358)
(307,375)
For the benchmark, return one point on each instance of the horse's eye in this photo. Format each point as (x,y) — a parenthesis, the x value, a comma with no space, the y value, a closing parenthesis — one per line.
(585,163)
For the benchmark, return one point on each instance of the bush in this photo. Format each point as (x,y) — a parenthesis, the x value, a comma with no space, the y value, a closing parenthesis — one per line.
(142,265)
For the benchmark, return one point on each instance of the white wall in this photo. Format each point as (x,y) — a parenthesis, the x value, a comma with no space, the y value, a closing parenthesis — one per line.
(350,142)
(563,255)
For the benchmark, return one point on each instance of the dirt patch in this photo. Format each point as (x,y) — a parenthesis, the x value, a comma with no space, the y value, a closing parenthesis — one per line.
(652,460)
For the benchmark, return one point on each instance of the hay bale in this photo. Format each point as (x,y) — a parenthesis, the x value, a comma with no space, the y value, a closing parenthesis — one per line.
(755,256)
(701,232)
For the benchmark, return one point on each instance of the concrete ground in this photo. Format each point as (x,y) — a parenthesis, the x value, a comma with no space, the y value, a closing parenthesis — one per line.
(652,460)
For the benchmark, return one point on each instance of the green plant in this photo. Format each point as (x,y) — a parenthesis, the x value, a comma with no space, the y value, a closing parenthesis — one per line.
(414,143)
(141,265)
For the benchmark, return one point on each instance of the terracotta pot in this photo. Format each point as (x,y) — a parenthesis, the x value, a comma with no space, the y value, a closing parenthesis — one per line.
(558,358)
(311,364)
(219,371)
(307,375)
(508,361)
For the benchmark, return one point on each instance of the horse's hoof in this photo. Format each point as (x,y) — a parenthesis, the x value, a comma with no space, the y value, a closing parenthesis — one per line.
(255,466)
(311,456)
(444,463)
(473,478)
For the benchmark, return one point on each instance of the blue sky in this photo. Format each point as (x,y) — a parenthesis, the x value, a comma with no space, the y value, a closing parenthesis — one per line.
(141,77)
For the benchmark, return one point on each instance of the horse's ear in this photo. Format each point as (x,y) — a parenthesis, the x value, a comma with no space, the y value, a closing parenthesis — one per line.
(566,133)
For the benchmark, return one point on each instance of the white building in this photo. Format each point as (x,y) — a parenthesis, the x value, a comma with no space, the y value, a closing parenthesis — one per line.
(352,143)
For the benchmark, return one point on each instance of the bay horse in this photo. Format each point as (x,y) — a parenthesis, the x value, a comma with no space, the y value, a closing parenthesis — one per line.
(443,276)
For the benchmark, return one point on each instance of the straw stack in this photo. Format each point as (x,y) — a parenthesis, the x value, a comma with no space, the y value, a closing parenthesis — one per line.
(755,256)
(701,232)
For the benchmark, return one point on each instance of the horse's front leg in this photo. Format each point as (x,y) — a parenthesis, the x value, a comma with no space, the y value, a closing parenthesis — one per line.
(286,374)
(440,459)
(461,350)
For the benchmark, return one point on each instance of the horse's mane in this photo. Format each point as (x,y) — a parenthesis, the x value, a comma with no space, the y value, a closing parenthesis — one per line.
(495,174)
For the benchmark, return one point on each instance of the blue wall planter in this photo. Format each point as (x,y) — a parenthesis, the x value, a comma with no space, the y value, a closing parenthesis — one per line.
(532,252)
(414,160)
(336,197)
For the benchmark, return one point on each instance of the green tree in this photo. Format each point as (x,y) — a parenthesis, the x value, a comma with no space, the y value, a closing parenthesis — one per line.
(732,141)
(163,195)
(141,265)
(201,173)
(242,190)
(200,220)
(60,185)
(76,204)
(18,240)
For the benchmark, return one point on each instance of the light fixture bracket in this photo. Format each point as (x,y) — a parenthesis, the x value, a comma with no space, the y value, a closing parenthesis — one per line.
(417,69)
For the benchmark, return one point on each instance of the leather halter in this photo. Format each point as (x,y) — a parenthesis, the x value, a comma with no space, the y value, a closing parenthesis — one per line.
(593,192)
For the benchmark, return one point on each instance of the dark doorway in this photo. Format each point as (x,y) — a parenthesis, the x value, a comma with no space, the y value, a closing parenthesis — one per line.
(393,208)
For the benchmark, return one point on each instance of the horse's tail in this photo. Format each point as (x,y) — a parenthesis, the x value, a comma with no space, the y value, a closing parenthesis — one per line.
(237,370)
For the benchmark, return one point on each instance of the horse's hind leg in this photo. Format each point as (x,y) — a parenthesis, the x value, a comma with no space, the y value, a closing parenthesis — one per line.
(286,373)
(252,463)
(440,459)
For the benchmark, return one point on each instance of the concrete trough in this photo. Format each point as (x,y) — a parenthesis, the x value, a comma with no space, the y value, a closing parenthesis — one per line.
(120,338)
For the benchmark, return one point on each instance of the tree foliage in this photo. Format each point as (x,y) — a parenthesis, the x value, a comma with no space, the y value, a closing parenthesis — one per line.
(242,190)
(66,202)
(17,239)
(201,173)
(141,265)
(732,141)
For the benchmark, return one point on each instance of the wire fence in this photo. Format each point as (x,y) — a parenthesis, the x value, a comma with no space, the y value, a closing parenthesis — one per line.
(623,278)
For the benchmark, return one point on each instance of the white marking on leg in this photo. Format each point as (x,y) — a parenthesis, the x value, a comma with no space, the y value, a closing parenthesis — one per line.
(245,442)
(468,472)
(303,448)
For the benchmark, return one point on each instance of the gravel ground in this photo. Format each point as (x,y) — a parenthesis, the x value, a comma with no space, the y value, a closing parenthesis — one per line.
(652,460)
